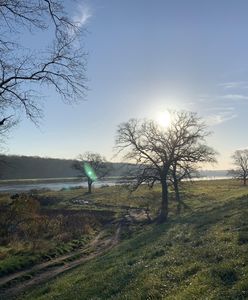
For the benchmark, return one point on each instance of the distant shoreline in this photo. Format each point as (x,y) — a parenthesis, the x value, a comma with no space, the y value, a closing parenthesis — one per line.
(49,180)
(83,179)
(37,180)
(56,184)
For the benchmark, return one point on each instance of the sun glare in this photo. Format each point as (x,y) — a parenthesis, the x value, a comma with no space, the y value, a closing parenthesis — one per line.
(164,118)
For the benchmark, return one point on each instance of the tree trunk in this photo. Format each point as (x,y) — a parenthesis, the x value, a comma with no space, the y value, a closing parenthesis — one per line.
(164,205)
(89,185)
(177,194)
(244,180)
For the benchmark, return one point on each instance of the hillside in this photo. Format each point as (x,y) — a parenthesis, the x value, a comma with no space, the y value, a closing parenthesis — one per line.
(29,167)
(201,254)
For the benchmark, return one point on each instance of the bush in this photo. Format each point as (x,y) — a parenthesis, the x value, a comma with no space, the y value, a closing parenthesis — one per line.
(46,201)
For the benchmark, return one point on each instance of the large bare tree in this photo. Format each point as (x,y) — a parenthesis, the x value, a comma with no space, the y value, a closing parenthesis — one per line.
(25,70)
(240,160)
(155,149)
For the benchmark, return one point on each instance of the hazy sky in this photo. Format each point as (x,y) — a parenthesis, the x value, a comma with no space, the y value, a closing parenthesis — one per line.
(144,57)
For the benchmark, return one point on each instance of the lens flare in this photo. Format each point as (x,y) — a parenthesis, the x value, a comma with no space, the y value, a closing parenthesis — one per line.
(89,171)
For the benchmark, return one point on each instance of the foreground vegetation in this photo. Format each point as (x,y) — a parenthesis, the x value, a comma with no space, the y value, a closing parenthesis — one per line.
(41,226)
(201,254)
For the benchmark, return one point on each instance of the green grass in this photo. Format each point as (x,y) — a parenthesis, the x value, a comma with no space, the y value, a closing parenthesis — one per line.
(202,254)
(17,262)
(18,259)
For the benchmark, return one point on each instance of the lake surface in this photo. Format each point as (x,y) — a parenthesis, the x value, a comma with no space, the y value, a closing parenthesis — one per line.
(56,186)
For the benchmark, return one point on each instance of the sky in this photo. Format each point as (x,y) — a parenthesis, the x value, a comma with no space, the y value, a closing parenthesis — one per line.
(145,57)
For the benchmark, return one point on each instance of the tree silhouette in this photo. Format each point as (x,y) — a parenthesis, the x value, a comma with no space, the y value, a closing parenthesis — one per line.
(93,166)
(240,160)
(156,150)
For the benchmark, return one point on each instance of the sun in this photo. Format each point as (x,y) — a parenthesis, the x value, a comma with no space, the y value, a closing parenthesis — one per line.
(164,118)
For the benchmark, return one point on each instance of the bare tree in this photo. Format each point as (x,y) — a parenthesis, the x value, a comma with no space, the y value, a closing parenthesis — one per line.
(155,149)
(240,160)
(178,173)
(25,71)
(93,166)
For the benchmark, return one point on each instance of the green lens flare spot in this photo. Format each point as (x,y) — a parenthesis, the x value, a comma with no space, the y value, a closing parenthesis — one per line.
(89,171)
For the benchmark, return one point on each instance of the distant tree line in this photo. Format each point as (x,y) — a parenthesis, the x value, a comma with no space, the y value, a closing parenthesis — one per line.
(24,167)
(30,167)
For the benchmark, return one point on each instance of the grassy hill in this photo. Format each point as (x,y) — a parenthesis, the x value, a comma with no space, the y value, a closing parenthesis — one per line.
(202,254)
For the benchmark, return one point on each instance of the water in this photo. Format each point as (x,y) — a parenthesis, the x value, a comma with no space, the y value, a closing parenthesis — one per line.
(210,178)
(54,186)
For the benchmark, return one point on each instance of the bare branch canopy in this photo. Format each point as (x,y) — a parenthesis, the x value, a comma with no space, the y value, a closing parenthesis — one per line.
(159,152)
(240,161)
(26,70)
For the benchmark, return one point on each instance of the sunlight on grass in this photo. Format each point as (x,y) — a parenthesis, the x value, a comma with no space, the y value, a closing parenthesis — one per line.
(198,255)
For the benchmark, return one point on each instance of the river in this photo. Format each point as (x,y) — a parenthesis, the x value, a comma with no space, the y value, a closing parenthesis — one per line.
(22,186)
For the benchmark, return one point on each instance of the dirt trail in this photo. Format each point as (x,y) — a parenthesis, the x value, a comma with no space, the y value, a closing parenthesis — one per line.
(16,283)
(48,270)
(46,264)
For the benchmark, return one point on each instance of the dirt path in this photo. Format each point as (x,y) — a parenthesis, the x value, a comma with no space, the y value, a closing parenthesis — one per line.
(4,280)
(16,283)
(49,270)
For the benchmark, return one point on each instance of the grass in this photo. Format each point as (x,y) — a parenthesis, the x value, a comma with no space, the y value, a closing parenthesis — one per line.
(23,257)
(201,254)
(115,195)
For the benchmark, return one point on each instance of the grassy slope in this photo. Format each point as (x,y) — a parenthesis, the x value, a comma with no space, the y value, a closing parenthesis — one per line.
(201,255)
